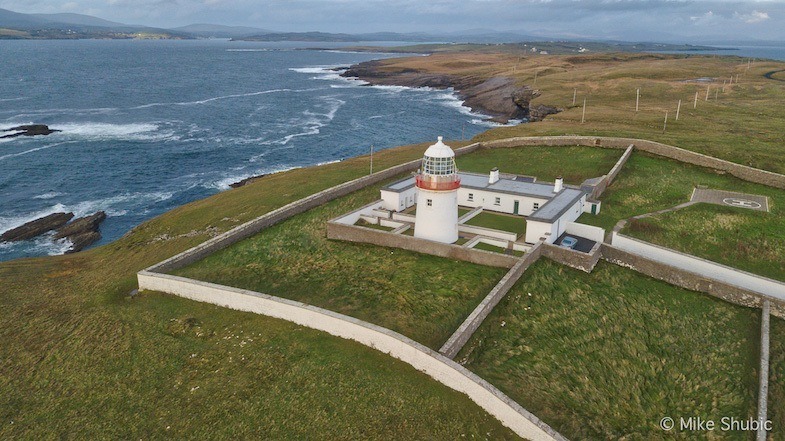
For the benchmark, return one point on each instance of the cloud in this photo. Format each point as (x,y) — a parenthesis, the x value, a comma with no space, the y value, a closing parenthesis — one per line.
(703,19)
(753,17)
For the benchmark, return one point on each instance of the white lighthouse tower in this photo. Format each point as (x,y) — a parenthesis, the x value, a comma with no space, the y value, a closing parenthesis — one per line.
(437,195)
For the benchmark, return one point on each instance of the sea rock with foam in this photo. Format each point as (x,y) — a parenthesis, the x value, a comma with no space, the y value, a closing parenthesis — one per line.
(36,227)
(28,130)
(82,232)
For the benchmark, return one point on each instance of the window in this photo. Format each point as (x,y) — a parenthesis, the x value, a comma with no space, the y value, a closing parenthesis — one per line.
(536,206)
(429,202)
(471,197)
(498,201)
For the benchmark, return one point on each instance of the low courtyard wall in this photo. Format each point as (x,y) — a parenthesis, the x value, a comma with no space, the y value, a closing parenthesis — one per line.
(351,233)
(425,360)
(689,280)
(469,326)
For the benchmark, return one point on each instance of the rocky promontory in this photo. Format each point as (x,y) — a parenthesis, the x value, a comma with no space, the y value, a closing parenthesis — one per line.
(36,227)
(82,232)
(498,97)
(28,130)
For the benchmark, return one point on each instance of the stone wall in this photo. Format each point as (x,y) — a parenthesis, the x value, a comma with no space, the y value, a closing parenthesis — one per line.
(469,326)
(685,279)
(353,233)
(740,171)
(574,259)
(433,364)
(703,267)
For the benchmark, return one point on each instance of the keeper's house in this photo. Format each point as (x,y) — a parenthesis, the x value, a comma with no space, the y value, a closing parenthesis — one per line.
(546,207)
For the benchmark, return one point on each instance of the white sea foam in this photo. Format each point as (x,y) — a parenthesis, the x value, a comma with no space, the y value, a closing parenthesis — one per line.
(44,147)
(216,98)
(118,205)
(3,100)
(249,50)
(93,131)
(50,195)
(225,182)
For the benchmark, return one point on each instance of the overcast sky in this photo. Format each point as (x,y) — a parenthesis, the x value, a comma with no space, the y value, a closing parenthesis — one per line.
(631,20)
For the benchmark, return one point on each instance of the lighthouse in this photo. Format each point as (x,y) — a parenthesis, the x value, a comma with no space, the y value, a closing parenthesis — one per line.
(437,195)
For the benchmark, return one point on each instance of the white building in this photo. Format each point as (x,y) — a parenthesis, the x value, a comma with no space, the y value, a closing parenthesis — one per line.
(546,208)
(437,188)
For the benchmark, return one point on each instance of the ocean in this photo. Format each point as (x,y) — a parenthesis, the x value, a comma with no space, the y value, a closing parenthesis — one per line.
(147,126)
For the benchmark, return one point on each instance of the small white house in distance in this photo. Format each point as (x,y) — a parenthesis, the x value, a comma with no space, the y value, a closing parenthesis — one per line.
(547,207)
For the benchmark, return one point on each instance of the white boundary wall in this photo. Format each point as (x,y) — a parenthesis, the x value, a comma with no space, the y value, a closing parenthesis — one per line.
(430,362)
(702,267)
(596,234)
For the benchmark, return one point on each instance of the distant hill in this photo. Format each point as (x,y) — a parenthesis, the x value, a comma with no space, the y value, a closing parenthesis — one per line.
(220,31)
(472,36)
(80,20)
(16,25)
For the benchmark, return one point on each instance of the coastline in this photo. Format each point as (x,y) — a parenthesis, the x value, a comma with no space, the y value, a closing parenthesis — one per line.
(499,97)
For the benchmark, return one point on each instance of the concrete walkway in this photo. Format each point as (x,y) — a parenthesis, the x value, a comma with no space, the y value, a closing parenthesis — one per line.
(622,223)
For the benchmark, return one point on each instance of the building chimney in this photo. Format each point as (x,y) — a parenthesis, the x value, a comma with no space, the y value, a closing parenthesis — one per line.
(493,177)
(558,185)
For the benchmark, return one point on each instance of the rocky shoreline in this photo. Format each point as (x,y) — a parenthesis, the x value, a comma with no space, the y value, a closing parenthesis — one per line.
(498,97)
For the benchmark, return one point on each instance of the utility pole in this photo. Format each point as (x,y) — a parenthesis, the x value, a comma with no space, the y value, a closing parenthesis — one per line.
(371,159)
(574,95)
(664,125)
(695,104)
(583,116)
(707,91)
(678,110)
(637,99)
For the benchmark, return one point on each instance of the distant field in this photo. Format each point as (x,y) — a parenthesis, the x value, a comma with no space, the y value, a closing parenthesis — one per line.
(750,240)
(741,123)
(607,355)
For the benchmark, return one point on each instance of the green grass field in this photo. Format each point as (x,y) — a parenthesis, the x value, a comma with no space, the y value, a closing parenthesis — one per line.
(777,378)
(750,240)
(407,292)
(498,221)
(607,355)
(544,163)
(423,297)
(80,359)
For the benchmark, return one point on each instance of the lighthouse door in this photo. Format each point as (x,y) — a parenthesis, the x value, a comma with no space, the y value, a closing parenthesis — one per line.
(515,207)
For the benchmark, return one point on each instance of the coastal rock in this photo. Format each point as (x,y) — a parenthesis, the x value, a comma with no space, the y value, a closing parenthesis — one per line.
(245,181)
(82,232)
(499,97)
(81,225)
(540,111)
(28,130)
(82,240)
(37,227)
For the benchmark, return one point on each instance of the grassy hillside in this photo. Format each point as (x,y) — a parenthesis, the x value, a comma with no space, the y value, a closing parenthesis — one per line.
(81,359)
